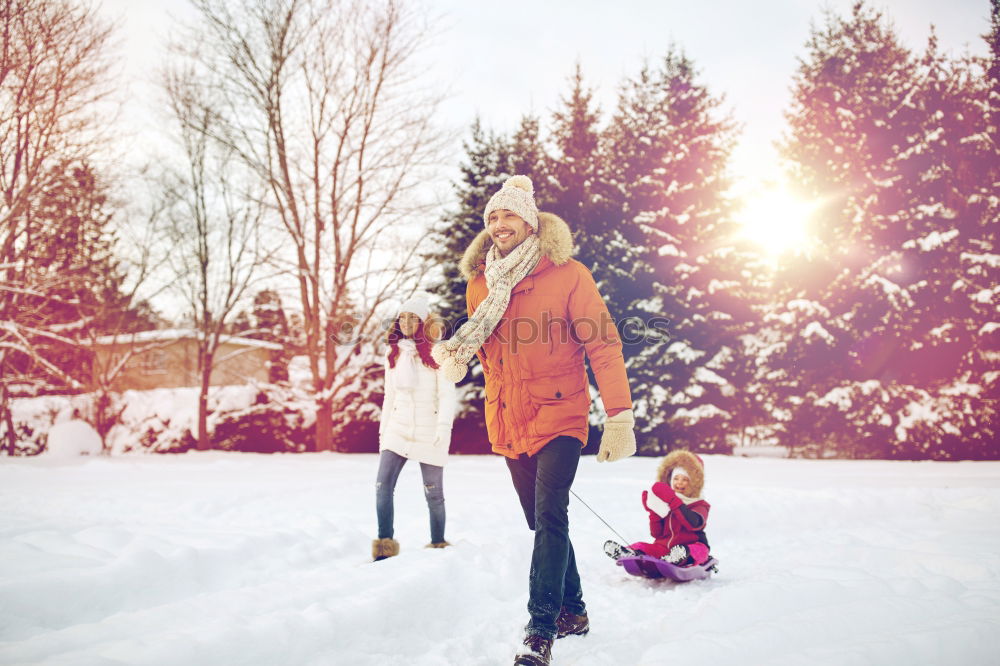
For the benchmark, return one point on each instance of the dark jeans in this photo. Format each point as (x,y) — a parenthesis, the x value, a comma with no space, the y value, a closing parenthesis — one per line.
(542,483)
(389,466)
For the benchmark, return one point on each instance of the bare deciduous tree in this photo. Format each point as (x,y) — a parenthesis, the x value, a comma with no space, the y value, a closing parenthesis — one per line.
(120,310)
(53,74)
(321,100)
(212,226)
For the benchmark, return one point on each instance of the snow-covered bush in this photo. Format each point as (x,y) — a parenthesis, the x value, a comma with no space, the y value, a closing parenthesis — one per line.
(277,421)
(72,438)
(34,417)
(260,430)
(356,436)
(872,419)
(241,418)
(468,435)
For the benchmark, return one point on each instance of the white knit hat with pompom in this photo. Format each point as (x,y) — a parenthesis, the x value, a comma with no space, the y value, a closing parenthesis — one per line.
(517,195)
(418,304)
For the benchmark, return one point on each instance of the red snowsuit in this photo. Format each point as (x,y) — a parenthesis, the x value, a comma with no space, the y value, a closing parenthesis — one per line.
(674,521)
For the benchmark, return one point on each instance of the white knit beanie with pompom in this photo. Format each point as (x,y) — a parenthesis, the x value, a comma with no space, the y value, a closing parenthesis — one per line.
(418,304)
(517,195)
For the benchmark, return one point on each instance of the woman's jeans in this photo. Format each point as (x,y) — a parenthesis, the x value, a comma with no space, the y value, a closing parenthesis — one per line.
(542,483)
(389,466)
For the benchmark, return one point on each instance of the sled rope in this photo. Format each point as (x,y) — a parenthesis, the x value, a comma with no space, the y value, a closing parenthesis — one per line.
(624,540)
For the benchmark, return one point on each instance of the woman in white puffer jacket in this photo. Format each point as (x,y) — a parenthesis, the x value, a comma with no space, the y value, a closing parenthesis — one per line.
(417,415)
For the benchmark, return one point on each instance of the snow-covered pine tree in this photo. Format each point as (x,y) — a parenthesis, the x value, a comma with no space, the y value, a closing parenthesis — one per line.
(940,254)
(574,173)
(527,157)
(487,159)
(869,347)
(848,122)
(269,320)
(574,170)
(986,264)
(68,284)
(271,324)
(993,82)
(974,155)
(490,159)
(678,259)
(635,135)
(241,325)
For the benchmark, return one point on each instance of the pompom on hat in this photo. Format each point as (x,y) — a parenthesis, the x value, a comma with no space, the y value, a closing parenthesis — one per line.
(517,195)
(418,304)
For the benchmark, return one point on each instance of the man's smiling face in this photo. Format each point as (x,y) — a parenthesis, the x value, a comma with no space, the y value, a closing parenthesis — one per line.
(507,229)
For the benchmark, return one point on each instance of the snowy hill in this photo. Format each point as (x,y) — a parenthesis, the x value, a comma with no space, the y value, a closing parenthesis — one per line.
(246,559)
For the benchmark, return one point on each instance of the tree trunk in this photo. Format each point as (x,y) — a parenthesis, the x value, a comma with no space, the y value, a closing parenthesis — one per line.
(8,418)
(102,418)
(324,426)
(206,379)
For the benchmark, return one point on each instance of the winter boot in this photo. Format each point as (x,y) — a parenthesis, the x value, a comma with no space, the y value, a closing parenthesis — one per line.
(437,544)
(569,624)
(383,548)
(616,551)
(535,651)
(677,555)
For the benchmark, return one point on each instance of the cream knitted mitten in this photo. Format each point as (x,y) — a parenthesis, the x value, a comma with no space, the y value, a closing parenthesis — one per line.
(618,440)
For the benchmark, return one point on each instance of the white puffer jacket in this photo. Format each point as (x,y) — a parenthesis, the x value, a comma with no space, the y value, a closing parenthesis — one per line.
(418,410)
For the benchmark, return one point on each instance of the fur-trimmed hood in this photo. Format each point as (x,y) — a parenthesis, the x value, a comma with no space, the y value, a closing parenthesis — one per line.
(690,462)
(554,238)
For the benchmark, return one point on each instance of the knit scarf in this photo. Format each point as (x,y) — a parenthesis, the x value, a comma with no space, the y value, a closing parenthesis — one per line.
(406,365)
(686,499)
(502,275)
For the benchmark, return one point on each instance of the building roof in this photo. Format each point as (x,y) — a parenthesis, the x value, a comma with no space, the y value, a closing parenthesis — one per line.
(176,334)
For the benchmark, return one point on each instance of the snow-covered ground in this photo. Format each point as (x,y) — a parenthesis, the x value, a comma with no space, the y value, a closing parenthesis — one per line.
(247,559)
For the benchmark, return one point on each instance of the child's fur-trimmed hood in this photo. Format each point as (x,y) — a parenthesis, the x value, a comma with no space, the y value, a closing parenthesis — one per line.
(690,462)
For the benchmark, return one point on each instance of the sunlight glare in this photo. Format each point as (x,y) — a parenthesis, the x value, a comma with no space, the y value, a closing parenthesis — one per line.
(776,219)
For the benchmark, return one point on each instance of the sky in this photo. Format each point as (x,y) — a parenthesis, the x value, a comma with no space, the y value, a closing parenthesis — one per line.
(502,60)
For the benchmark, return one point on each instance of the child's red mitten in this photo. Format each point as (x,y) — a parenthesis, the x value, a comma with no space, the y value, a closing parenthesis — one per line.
(667,494)
(662,500)
(655,519)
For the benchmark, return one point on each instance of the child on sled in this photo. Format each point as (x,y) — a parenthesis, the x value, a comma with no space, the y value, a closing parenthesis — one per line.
(677,514)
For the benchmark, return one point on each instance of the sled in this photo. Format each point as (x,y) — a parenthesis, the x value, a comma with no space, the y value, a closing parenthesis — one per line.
(647,566)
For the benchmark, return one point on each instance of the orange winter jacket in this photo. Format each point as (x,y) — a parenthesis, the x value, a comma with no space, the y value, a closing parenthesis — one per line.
(536,383)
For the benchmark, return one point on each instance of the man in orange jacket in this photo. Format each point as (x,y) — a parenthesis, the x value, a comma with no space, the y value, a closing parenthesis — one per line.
(534,313)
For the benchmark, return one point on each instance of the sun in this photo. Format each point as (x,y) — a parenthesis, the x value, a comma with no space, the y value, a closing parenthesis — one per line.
(776,219)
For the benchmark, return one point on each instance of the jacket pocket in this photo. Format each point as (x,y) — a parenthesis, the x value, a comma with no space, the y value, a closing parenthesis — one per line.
(559,335)
(558,403)
(491,407)
(556,389)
